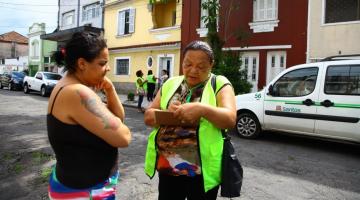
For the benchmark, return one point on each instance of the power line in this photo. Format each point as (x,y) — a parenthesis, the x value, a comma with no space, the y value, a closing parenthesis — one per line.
(25,27)
(22,9)
(22,4)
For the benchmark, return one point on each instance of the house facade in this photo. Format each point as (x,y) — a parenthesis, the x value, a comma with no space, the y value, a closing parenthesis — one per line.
(13,51)
(142,36)
(270,35)
(40,50)
(77,16)
(334,28)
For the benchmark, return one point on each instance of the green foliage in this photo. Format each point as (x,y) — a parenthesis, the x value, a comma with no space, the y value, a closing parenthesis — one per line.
(230,68)
(45,174)
(130,96)
(226,63)
(18,168)
(40,157)
(155,1)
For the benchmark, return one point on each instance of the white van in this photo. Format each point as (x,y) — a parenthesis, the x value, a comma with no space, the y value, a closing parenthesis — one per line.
(317,99)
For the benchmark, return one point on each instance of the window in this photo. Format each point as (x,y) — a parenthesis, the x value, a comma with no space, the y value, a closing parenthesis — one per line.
(343,80)
(203,14)
(272,61)
(149,62)
(68,18)
(126,23)
(164,13)
(342,11)
(296,83)
(46,59)
(282,61)
(2,61)
(35,49)
(39,76)
(91,11)
(246,64)
(265,10)
(253,73)
(122,66)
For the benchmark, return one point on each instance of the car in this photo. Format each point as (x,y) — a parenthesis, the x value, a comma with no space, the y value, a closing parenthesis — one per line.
(43,82)
(12,80)
(319,99)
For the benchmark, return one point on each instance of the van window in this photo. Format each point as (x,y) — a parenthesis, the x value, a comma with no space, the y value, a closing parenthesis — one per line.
(343,80)
(296,83)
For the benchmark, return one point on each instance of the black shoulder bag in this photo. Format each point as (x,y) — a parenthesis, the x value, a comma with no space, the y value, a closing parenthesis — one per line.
(232,171)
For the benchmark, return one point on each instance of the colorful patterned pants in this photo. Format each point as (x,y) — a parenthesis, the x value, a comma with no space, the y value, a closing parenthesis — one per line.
(102,191)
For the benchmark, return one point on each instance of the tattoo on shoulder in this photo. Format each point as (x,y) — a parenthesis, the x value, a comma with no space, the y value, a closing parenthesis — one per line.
(94,106)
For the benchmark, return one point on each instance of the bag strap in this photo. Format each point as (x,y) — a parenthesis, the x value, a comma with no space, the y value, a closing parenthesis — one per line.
(213,85)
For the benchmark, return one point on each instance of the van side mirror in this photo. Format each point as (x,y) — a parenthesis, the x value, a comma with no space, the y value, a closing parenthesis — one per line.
(271,90)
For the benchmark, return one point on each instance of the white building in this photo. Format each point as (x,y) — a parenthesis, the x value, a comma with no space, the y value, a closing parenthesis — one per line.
(13,64)
(333,28)
(80,13)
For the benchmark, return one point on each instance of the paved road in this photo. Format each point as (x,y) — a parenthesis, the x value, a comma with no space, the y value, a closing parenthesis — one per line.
(275,166)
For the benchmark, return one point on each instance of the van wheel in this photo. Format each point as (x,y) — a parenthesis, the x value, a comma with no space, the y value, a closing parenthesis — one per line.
(248,126)
(43,91)
(26,89)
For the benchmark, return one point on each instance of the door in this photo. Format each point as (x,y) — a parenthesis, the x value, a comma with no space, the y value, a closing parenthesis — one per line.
(276,63)
(339,102)
(292,101)
(166,63)
(250,62)
(36,85)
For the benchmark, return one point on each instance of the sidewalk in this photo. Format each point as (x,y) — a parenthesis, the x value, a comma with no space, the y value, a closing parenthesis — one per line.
(125,102)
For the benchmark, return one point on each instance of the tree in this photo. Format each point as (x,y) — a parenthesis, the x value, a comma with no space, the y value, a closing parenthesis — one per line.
(227,64)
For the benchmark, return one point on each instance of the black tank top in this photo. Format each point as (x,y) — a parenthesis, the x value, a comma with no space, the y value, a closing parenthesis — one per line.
(83,159)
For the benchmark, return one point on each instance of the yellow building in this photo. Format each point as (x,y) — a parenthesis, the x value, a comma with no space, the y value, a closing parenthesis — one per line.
(142,36)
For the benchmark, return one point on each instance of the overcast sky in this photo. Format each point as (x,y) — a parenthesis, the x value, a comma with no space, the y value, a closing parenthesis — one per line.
(19,15)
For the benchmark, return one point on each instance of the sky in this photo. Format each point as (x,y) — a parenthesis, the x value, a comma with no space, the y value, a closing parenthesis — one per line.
(19,15)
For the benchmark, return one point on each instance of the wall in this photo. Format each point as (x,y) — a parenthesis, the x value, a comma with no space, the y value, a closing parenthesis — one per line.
(138,62)
(144,32)
(330,39)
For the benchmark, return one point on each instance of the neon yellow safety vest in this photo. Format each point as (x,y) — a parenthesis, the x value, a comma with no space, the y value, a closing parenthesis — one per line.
(150,78)
(137,84)
(210,139)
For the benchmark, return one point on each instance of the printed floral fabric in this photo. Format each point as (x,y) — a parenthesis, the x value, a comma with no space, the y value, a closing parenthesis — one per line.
(178,146)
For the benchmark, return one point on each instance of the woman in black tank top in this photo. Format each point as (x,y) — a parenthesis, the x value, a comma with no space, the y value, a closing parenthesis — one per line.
(84,133)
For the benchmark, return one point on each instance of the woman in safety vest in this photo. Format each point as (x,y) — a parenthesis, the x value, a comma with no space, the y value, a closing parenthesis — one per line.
(187,154)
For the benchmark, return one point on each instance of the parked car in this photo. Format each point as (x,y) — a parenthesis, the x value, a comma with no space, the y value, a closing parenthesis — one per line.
(12,80)
(316,99)
(43,82)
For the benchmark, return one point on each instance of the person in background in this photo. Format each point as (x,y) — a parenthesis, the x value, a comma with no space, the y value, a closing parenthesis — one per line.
(164,77)
(188,157)
(151,83)
(140,89)
(85,133)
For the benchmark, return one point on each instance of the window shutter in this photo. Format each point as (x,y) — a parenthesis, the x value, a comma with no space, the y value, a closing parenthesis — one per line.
(132,21)
(121,23)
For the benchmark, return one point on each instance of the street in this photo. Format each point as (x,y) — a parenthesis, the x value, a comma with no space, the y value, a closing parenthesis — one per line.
(276,166)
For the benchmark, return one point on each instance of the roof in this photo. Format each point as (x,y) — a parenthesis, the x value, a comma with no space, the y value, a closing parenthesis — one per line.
(65,35)
(13,37)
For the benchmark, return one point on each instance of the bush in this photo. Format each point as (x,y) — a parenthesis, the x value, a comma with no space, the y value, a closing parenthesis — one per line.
(230,68)
(131,96)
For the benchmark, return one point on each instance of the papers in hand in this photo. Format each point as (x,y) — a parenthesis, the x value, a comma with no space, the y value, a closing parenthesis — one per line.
(167,118)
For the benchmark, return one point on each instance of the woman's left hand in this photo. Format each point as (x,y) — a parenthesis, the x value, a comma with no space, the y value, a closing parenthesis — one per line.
(105,85)
(189,112)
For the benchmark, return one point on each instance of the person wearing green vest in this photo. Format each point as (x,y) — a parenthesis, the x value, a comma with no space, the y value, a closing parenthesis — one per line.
(140,89)
(151,82)
(187,156)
